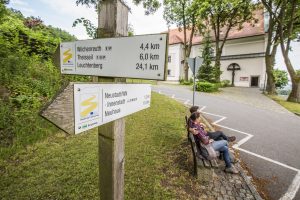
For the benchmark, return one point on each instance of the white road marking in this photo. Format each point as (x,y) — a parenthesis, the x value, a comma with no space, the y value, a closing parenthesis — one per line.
(216,122)
(203,107)
(212,114)
(186,102)
(295,185)
(180,99)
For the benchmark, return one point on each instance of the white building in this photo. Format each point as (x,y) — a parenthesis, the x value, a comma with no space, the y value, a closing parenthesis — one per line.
(245,47)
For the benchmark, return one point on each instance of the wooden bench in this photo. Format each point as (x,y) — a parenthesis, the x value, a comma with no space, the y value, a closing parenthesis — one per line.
(198,159)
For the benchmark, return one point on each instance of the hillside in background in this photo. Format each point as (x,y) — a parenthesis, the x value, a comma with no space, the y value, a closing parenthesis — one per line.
(28,78)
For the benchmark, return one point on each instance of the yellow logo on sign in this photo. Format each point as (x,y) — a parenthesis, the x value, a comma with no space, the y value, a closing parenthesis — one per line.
(67,56)
(91,106)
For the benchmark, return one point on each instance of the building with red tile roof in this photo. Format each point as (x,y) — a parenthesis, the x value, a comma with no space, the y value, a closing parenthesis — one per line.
(244,46)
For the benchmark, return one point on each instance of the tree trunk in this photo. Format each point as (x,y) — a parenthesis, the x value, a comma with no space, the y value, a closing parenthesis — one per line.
(186,71)
(295,93)
(186,67)
(218,65)
(270,55)
(270,88)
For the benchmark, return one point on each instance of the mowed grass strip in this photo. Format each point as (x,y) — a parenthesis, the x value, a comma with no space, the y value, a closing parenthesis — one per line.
(291,106)
(157,161)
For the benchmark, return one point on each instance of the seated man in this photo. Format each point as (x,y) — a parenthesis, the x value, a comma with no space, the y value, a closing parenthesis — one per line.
(217,135)
(200,135)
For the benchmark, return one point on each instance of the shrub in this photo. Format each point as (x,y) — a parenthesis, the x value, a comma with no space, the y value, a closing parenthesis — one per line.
(181,80)
(225,83)
(186,83)
(207,87)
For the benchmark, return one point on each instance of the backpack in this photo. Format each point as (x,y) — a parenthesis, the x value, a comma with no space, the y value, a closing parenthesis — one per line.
(207,151)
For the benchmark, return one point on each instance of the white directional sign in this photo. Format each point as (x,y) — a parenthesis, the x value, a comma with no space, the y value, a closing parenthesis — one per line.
(132,57)
(97,104)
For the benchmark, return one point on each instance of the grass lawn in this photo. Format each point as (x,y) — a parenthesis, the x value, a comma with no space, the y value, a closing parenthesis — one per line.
(144,81)
(158,162)
(293,107)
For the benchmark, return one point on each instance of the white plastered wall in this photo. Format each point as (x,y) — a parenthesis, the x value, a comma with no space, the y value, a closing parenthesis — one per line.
(250,67)
(174,66)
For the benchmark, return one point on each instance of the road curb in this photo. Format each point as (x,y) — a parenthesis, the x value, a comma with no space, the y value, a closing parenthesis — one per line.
(247,179)
(249,183)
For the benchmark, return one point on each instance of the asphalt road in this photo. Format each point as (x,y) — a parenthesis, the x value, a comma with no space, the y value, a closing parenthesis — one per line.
(268,140)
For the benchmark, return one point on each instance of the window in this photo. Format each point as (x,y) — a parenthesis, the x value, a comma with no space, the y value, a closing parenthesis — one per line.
(169,72)
(169,59)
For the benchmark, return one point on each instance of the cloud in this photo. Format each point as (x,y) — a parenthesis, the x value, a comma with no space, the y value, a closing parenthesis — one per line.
(143,24)
(69,9)
(28,11)
(18,3)
(22,6)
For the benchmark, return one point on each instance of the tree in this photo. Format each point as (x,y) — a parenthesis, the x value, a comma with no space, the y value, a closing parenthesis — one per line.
(287,16)
(184,14)
(3,8)
(281,78)
(222,16)
(272,44)
(90,28)
(33,22)
(206,71)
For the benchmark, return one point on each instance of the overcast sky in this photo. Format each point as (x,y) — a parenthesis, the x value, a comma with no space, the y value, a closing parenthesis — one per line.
(62,14)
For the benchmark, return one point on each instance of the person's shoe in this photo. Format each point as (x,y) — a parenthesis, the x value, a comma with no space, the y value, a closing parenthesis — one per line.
(231,138)
(231,170)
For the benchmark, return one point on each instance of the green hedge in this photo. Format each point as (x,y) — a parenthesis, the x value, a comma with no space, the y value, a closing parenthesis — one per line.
(183,82)
(207,87)
(225,83)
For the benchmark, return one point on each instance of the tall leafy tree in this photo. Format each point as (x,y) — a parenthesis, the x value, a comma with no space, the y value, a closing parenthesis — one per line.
(3,8)
(222,16)
(206,71)
(287,16)
(272,44)
(184,14)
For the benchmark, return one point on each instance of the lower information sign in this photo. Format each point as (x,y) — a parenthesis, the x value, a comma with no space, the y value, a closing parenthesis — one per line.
(97,104)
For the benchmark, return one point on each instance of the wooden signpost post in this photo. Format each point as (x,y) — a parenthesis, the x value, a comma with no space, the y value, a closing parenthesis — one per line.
(79,107)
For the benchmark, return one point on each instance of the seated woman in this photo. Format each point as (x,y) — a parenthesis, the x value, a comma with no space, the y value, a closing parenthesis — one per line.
(200,135)
(217,135)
